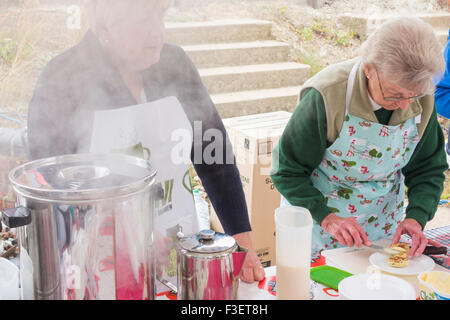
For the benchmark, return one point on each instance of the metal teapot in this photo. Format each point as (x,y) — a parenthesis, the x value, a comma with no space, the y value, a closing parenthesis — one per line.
(209,264)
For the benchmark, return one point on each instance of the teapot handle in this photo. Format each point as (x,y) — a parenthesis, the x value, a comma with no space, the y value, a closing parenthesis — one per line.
(168,284)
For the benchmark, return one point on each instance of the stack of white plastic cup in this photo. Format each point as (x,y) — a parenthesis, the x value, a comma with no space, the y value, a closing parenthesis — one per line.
(293,252)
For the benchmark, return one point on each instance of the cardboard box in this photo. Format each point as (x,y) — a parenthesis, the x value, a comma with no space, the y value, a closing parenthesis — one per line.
(253,138)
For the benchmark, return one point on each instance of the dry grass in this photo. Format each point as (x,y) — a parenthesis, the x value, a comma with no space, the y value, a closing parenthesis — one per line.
(21,32)
(29,38)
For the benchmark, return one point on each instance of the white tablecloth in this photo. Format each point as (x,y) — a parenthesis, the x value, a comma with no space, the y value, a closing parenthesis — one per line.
(264,290)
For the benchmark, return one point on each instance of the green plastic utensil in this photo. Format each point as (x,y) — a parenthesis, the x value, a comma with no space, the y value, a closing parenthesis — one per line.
(329,276)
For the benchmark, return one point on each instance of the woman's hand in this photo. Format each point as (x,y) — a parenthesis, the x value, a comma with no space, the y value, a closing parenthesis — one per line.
(412,228)
(252,269)
(346,230)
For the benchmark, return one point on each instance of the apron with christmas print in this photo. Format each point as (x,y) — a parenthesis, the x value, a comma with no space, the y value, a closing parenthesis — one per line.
(360,174)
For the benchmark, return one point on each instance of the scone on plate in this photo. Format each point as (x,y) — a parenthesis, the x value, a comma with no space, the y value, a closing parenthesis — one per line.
(401,247)
(398,260)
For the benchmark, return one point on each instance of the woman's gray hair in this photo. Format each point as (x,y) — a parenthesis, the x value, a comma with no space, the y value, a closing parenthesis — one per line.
(407,51)
(103,12)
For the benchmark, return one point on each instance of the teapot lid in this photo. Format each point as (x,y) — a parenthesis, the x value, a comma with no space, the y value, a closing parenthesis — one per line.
(208,241)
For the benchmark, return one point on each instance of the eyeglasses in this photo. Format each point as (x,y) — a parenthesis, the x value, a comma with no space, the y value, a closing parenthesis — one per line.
(395,99)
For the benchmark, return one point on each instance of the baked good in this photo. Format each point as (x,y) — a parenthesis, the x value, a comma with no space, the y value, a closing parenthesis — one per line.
(401,247)
(398,260)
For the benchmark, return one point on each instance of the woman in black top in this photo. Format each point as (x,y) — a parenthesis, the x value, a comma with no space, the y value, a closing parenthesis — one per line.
(122,58)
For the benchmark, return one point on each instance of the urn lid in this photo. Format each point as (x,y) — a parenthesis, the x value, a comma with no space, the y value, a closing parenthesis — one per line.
(82,177)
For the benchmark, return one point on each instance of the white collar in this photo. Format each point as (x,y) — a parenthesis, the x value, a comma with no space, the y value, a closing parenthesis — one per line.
(375,106)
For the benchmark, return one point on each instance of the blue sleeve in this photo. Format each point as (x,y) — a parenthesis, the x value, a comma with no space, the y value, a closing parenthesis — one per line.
(442,94)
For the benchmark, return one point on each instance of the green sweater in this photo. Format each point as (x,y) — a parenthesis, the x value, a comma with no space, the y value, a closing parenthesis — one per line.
(302,148)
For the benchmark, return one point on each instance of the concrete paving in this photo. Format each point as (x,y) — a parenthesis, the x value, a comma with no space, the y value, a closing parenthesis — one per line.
(238,53)
(244,70)
(219,31)
(254,77)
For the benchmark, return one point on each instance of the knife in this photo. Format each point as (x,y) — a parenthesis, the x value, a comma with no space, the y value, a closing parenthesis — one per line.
(382,250)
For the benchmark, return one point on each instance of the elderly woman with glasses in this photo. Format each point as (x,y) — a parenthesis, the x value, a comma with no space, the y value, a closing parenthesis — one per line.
(362,131)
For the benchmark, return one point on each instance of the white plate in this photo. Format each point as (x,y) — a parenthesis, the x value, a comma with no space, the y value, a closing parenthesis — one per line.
(416,265)
(375,286)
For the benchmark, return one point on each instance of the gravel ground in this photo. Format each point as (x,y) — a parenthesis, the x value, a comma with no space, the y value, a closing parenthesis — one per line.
(381,6)
(213,9)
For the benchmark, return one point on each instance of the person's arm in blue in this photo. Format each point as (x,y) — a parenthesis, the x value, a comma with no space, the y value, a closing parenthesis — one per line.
(442,94)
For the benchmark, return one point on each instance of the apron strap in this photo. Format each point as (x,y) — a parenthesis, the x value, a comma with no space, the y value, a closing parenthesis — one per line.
(350,85)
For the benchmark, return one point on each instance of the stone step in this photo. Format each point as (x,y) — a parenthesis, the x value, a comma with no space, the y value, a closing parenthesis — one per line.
(254,77)
(238,53)
(437,20)
(219,31)
(241,103)
(365,24)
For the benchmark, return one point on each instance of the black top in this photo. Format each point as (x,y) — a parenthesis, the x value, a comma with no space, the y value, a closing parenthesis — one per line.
(82,80)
